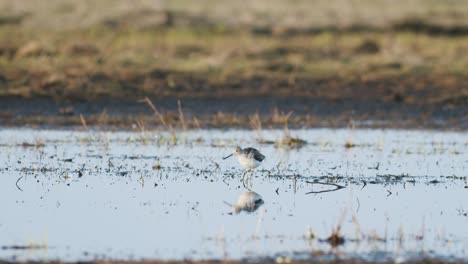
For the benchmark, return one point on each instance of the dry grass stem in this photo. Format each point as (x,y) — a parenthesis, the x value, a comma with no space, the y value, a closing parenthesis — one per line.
(155,110)
(181,116)
(83,122)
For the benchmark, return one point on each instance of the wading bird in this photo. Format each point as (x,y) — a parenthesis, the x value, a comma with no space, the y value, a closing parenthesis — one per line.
(249,158)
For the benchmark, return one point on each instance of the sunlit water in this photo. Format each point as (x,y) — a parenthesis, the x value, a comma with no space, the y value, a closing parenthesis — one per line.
(132,195)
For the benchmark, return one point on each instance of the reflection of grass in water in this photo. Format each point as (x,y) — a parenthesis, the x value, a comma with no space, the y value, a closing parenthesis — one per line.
(349,144)
(277,117)
(38,143)
(336,238)
(350,141)
(290,142)
(157,166)
(30,247)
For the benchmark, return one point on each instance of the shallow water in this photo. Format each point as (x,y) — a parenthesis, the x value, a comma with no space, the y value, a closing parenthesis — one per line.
(133,195)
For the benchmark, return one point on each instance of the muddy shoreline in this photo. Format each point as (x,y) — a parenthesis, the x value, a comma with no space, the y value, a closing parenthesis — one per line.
(235,112)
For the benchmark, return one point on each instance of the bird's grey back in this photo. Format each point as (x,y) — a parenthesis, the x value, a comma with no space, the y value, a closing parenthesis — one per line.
(256,154)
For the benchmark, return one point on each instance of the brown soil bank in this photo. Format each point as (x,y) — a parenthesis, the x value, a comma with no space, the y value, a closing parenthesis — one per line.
(86,86)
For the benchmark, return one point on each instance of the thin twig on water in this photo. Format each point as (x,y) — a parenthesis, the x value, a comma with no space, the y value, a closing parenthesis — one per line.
(17,186)
(365,184)
(389,193)
(337,187)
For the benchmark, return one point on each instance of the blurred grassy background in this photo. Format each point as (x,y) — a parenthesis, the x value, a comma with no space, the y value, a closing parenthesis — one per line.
(409,51)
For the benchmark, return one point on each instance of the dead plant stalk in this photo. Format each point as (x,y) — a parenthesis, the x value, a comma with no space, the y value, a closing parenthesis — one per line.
(181,116)
(155,110)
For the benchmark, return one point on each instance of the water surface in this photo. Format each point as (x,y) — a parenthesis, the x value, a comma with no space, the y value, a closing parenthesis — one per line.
(82,195)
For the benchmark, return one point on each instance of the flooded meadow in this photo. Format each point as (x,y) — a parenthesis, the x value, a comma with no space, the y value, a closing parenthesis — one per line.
(82,195)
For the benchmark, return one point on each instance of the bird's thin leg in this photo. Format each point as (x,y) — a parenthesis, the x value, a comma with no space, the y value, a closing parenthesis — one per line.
(243,181)
(245,185)
(249,178)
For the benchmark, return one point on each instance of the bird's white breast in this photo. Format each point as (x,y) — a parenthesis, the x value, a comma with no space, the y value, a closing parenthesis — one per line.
(249,163)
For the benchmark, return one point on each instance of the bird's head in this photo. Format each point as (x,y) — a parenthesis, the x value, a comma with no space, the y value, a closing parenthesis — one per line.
(236,209)
(236,152)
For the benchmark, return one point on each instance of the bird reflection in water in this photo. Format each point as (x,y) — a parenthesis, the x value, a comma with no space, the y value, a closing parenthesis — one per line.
(248,202)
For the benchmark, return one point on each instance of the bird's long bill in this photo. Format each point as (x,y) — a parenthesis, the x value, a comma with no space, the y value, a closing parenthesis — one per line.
(228,156)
